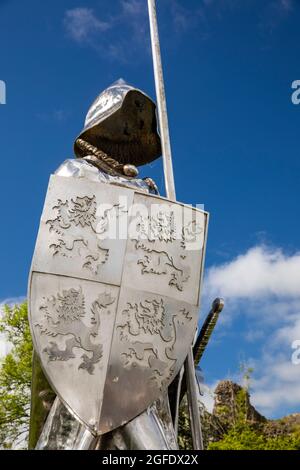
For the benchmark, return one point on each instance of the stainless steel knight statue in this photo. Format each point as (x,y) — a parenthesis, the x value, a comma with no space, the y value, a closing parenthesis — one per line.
(114,287)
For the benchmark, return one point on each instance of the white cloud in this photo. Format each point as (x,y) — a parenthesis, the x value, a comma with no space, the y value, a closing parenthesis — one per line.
(290,332)
(182,17)
(119,36)
(274,13)
(207,397)
(57,115)
(134,14)
(259,273)
(263,285)
(4,345)
(286,5)
(134,7)
(11,301)
(271,13)
(86,27)
(82,24)
(278,386)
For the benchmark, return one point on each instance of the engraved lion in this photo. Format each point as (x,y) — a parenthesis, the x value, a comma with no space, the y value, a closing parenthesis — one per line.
(62,317)
(148,335)
(75,227)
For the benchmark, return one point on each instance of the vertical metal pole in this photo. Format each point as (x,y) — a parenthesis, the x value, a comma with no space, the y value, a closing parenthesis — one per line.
(171,194)
(193,401)
(161,103)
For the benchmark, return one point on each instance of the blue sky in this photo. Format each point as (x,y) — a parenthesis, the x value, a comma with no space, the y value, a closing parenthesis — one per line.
(229,66)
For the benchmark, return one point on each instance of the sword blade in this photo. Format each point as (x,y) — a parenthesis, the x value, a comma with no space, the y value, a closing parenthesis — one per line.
(207,329)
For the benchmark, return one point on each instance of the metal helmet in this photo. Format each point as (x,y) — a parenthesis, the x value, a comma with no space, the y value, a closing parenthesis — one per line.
(122,123)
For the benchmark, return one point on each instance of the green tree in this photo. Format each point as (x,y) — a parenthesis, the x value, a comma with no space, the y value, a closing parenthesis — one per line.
(15,384)
(15,377)
(244,435)
(184,431)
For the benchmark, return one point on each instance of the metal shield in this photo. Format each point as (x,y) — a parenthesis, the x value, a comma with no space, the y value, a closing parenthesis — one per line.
(114,296)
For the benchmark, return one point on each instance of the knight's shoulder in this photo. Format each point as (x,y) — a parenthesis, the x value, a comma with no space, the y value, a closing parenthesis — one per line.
(78,167)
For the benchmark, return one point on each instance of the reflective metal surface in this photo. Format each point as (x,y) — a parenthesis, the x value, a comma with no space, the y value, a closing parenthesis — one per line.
(161,261)
(80,168)
(42,398)
(151,430)
(62,431)
(74,236)
(106,314)
(122,123)
(72,323)
(148,348)
(192,394)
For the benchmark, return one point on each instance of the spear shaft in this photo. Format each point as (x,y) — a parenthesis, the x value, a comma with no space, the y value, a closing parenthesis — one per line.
(161,103)
(171,194)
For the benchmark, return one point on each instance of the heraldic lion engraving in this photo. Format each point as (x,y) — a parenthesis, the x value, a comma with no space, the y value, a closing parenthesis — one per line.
(62,316)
